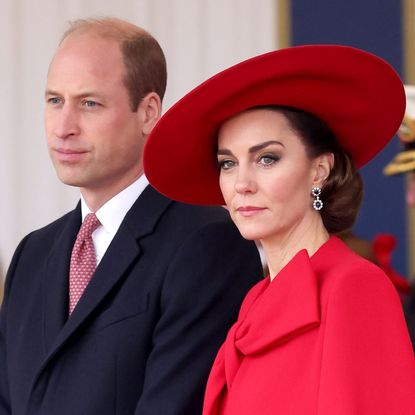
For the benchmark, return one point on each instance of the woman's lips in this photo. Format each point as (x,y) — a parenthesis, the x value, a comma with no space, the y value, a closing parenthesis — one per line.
(249,210)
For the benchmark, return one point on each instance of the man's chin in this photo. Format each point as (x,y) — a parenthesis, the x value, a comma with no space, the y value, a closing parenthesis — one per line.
(71,181)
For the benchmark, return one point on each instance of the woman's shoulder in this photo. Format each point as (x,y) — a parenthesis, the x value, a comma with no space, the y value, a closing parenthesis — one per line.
(349,278)
(342,260)
(342,270)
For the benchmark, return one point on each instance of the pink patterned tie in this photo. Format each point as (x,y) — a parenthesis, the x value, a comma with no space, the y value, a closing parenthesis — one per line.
(83,260)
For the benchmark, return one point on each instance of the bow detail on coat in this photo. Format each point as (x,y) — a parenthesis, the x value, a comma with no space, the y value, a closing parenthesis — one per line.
(273,313)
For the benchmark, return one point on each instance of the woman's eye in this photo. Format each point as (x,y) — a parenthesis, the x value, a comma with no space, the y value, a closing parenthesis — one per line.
(268,160)
(226,164)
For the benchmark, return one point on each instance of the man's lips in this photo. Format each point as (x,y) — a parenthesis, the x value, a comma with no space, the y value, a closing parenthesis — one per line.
(67,154)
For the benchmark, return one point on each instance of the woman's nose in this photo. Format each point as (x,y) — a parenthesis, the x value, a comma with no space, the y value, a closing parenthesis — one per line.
(244,183)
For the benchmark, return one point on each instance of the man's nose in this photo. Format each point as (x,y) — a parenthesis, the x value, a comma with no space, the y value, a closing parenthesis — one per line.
(66,123)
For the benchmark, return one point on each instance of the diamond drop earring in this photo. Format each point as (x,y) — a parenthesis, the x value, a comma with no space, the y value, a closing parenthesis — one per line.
(317,203)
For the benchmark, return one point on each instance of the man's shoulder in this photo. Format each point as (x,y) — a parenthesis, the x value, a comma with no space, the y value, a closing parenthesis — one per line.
(170,213)
(36,246)
(201,213)
(190,218)
(57,223)
(199,227)
(53,228)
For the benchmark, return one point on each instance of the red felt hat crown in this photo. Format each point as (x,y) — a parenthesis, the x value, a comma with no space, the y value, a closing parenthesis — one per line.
(358,95)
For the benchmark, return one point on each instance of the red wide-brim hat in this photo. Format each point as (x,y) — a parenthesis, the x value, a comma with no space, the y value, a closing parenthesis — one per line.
(358,95)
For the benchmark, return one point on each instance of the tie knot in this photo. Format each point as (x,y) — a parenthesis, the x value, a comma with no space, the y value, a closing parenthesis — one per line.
(89,225)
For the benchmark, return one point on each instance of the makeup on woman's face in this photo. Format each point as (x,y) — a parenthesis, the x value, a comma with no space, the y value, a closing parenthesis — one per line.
(265,173)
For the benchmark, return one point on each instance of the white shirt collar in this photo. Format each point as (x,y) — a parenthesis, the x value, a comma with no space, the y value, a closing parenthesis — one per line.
(112,213)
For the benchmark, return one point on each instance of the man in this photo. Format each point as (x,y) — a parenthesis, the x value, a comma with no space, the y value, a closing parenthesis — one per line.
(404,163)
(140,335)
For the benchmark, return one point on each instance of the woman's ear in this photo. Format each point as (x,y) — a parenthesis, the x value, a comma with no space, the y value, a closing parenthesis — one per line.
(322,167)
(149,111)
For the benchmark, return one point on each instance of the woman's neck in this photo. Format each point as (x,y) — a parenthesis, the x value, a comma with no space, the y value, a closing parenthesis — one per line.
(280,249)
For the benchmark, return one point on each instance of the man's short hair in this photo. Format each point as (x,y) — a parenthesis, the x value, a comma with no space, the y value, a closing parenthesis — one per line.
(144,60)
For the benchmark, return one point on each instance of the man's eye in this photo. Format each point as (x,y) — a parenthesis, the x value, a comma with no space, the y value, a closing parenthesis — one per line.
(90,104)
(54,100)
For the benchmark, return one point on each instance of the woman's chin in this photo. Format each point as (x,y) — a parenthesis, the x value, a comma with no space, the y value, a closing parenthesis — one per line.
(251,234)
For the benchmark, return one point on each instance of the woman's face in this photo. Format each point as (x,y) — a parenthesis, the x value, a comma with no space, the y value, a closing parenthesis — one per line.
(265,175)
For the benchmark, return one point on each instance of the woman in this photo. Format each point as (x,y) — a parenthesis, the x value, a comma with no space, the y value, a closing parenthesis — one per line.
(278,139)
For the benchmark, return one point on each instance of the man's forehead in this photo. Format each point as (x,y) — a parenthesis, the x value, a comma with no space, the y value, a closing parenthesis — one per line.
(84,43)
(82,57)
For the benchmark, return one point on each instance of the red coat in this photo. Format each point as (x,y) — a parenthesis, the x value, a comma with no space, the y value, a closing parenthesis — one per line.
(327,336)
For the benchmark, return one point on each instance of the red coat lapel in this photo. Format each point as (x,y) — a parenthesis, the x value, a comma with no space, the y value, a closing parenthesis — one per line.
(272,314)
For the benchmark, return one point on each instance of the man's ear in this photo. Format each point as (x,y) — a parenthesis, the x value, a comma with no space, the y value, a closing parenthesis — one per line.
(322,167)
(149,110)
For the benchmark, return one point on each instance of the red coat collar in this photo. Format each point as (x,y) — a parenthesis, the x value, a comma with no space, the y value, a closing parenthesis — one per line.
(273,313)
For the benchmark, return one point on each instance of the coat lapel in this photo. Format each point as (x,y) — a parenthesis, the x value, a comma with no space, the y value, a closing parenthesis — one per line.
(55,282)
(122,252)
(272,314)
(283,310)
(287,308)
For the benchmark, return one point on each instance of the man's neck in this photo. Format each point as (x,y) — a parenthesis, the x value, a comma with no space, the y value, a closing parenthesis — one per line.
(96,198)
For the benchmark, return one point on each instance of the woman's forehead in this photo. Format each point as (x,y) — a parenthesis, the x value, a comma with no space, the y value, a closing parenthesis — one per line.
(257,125)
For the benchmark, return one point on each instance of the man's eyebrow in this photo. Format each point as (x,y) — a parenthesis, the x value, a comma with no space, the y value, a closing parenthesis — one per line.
(51,92)
(83,94)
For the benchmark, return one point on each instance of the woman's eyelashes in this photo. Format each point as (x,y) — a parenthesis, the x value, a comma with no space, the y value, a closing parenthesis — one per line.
(226,164)
(263,160)
(268,159)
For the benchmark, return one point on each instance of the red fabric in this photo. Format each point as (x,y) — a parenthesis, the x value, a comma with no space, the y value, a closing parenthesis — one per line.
(326,337)
(83,260)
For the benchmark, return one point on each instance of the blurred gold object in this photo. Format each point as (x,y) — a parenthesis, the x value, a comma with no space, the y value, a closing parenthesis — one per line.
(404,161)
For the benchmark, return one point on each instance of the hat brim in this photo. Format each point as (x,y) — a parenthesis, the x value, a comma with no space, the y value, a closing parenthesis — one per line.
(358,95)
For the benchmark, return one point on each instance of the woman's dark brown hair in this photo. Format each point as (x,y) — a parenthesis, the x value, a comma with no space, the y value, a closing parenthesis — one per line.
(342,192)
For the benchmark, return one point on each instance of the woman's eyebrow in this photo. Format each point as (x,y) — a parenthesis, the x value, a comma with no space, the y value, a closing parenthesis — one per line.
(258,147)
(224,152)
(253,149)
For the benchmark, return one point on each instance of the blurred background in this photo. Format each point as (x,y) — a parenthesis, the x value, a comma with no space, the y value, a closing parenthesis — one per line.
(199,38)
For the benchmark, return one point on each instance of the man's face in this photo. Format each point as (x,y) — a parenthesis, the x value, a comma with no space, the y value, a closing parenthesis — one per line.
(410,189)
(95,140)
